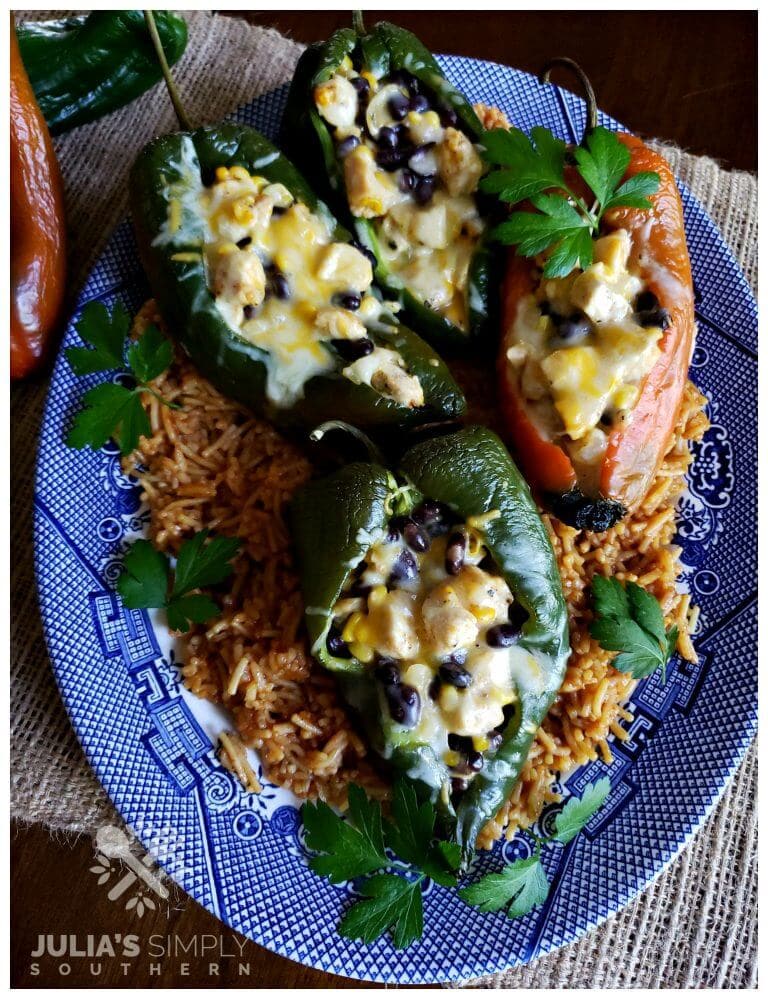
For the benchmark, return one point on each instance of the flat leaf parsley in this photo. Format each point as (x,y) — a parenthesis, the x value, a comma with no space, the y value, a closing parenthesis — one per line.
(113,410)
(563,222)
(629,621)
(144,581)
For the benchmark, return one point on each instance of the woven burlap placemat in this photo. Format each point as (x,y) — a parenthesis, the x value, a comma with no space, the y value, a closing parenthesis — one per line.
(697,924)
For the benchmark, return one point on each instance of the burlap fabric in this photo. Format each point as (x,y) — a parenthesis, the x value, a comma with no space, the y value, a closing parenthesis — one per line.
(696,925)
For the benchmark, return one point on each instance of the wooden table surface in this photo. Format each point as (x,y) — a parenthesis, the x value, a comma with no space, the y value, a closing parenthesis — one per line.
(688,77)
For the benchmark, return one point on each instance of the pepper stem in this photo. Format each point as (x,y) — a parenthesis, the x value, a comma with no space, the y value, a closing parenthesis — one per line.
(589,94)
(357,22)
(372,450)
(178,107)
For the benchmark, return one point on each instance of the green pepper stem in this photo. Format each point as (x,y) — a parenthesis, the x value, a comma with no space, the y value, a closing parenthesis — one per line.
(374,454)
(178,107)
(589,94)
(357,22)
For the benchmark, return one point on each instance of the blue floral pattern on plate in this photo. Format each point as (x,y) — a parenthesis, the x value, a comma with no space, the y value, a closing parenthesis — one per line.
(152,744)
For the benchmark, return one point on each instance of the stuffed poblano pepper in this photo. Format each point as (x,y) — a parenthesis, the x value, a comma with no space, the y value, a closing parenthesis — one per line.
(435,598)
(267,293)
(397,144)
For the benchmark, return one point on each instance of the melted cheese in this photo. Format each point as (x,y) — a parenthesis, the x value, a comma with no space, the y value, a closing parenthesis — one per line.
(249,227)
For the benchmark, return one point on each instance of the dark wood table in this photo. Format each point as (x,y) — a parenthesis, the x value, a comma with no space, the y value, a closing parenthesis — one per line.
(688,77)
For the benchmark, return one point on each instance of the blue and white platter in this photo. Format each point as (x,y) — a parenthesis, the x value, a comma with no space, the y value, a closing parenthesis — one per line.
(242,856)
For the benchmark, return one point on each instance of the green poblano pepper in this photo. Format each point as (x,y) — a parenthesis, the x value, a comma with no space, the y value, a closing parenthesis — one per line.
(334,520)
(182,161)
(307,138)
(84,67)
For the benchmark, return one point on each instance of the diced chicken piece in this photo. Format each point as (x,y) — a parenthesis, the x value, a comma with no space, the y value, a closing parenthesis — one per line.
(424,127)
(345,267)
(371,192)
(238,278)
(339,324)
(613,250)
(460,165)
(391,626)
(383,370)
(480,708)
(336,100)
(428,282)
(485,595)
(448,625)
(580,387)
(533,384)
(593,293)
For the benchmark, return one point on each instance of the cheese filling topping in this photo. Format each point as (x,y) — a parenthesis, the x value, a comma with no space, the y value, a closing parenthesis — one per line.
(283,284)
(582,346)
(430,614)
(409,168)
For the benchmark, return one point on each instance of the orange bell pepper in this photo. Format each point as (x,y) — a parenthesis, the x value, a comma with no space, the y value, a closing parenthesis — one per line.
(38,261)
(635,450)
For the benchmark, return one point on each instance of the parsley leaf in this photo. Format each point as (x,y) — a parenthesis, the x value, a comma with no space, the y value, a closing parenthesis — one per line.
(106,334)
(345,852)
(410,836)
(532,165)
(113,410)
(518,888)
(563,225)
(144,581)
(390,901)
(578,811)
(629,620)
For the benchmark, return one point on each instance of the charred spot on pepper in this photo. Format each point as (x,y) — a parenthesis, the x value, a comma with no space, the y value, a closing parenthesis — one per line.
(584,512)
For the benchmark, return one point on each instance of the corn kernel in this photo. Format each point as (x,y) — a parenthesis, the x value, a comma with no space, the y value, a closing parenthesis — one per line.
(222,173)
(372,80)
(449,698)
(362,652)
(451,758)
(377,596)
(225,249)
(174,215)
(241,212)
(349,634)
(239,173)
(186,258)
(480,742)
(483,614)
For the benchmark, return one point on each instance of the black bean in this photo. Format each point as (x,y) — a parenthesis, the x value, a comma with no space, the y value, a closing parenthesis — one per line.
(434,688)
(405,567)
(646,301)
(391,159)
(415,537)
(471,764)
(347,145)
(387,672)
(404,704)
(388,137)
(245,241)
(574,328)
(455,552)
(353,350)
(432,516)
(448,118)
(397,105)
(361,85)
(459,743)
(455,675)
(655,317)
(351,300)
(249,311)
(279,286)
(407,181)
(425,188)
(517,614)
(495,739)
(418,103)
(403,78)
(336,644)
(502,636)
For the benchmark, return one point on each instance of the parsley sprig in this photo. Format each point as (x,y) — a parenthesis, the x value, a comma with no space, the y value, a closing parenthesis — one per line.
(144,582)
(563,223)
(523,885)
(112,410)
(349,850)
(392,890)
(629,620)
